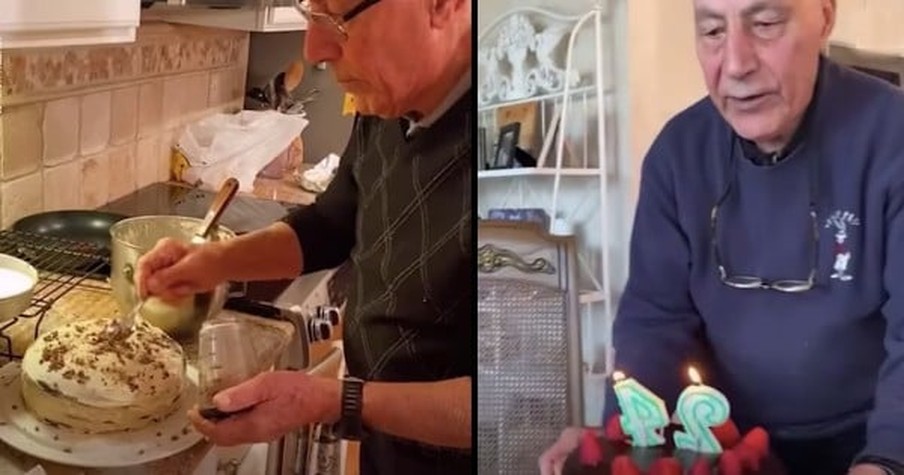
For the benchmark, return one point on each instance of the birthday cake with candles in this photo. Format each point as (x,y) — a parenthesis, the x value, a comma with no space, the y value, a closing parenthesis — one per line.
(611,453)
(699,439)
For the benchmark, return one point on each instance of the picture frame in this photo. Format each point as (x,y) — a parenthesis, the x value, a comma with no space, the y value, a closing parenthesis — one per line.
(505,146)
(528,115)
(482,162)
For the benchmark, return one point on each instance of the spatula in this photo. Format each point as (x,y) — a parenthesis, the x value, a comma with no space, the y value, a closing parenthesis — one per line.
(220,202)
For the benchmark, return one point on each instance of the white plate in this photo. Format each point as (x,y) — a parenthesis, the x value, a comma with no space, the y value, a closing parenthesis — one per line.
(24,432)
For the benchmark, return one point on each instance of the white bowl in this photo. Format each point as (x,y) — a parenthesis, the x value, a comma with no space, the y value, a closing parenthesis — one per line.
(17,286)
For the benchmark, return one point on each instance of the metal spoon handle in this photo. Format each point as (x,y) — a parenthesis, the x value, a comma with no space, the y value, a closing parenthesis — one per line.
(221,200)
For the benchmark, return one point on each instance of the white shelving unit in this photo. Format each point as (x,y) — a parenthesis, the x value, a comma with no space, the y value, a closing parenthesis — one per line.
(527,56)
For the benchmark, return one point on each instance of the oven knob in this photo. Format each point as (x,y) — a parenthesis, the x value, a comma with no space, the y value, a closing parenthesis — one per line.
(329,313)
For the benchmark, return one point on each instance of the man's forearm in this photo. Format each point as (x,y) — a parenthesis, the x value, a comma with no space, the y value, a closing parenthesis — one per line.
(436,413)
(271,253)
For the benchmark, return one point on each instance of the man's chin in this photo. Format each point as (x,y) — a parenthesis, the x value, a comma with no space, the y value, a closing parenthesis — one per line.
(754,129)
(376,106)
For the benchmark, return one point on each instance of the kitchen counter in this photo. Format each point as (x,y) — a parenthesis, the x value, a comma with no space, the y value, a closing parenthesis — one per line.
(271,200)
(246,213)
(284,190)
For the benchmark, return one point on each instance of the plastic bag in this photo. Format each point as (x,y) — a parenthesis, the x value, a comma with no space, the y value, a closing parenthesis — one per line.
(317,178)
(236,145)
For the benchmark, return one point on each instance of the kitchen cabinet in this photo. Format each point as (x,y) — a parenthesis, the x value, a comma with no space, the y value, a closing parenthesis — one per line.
(266,18)
(56,23)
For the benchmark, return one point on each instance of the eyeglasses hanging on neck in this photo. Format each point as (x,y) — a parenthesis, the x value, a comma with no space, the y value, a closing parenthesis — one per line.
(740,281)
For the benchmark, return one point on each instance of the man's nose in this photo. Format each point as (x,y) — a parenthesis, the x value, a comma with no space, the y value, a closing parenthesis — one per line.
(321,46)
(740,54)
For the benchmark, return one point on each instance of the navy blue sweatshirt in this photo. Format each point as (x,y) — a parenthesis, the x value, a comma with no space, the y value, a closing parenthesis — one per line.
(805,365)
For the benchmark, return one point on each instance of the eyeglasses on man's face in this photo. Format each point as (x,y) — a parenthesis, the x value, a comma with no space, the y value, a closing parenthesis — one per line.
(335,22)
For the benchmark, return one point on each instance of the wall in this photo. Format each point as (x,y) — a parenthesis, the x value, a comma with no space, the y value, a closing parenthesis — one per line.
(84,126)
(663,75)
(328,131)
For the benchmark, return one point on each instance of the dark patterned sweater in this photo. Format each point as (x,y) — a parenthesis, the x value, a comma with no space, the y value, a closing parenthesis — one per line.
(400,212)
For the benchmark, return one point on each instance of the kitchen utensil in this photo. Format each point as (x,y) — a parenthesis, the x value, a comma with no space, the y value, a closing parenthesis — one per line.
(17,285)
(132,238)
(128,321)
(220,202)
(216,415)
(80,226)
(233,349)
(226,358)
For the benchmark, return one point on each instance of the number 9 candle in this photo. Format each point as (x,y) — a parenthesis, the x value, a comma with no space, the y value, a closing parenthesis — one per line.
(699,408)
(643,414)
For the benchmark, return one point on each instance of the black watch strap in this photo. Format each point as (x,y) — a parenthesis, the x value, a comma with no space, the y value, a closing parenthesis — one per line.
(351,426)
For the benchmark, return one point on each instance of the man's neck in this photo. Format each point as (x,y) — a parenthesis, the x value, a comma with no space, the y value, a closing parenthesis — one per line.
(434,95)
(771,147)
(772,151)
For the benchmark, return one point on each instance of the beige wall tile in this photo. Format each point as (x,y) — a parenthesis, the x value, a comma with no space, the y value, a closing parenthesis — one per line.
(198,92)
(239,80)
(21,197)
(147,161)
(175,101)
(167,140)
(95,118)
(95,171)
(44,72)
(122,171)
(63,186)
(22,142)
(150,108)
(61,130)
(224,86)
(124,115)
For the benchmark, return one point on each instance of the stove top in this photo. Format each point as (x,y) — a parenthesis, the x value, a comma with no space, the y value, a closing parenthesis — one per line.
(244,214)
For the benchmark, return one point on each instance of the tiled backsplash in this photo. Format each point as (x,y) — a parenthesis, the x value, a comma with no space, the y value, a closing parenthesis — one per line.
(84,126)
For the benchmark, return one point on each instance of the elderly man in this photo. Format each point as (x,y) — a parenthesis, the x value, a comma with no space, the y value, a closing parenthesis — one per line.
(769,241)
(400,210)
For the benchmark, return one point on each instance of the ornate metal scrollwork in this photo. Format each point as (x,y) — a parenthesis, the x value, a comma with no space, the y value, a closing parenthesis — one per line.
(491,258)
(519,60)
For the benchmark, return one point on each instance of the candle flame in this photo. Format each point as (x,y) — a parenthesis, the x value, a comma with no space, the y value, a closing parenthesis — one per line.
(694,375)
(618,376)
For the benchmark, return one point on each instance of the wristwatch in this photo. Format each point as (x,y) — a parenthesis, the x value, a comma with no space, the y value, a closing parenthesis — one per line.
(351,426)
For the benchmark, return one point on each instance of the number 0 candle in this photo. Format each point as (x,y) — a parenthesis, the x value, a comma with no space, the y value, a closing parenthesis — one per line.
(700,408)
(643,414)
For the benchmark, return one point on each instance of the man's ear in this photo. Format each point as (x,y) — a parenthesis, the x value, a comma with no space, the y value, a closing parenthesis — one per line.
(444,11)
(829,11)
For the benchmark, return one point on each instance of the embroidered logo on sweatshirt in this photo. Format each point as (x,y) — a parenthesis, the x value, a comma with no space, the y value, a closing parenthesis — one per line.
(842,221)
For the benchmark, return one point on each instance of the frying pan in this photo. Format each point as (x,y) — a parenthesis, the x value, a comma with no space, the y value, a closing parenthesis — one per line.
(75,225)
(87,226)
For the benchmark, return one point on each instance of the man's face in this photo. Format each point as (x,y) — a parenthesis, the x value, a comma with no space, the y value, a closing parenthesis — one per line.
(392,52)
(760,60)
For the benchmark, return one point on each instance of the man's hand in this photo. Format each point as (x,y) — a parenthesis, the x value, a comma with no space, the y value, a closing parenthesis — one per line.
(867,469)
(552,461)
(173,270)
(282,401)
